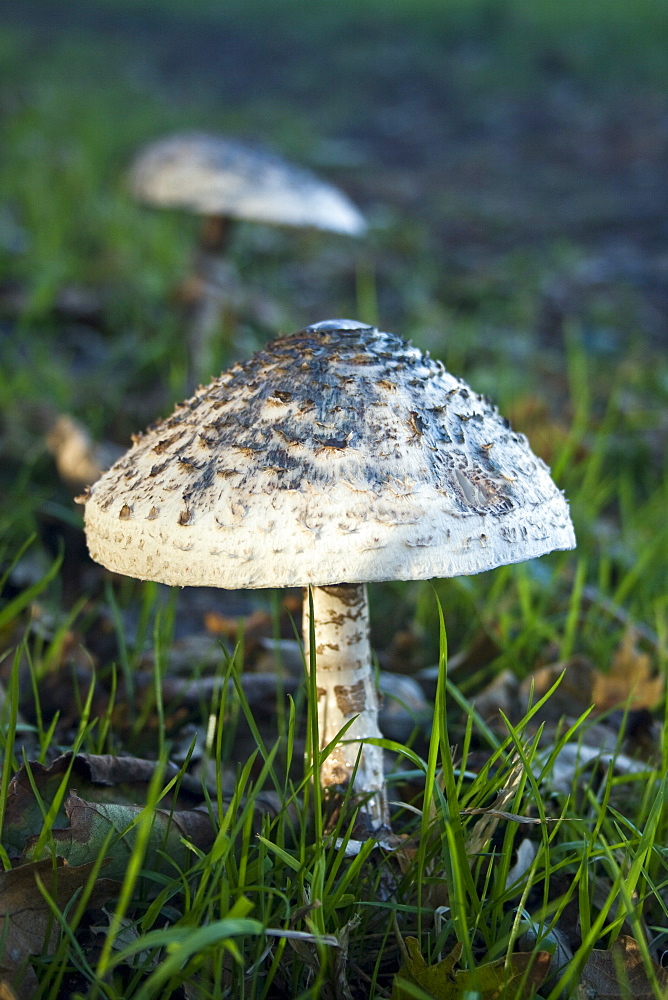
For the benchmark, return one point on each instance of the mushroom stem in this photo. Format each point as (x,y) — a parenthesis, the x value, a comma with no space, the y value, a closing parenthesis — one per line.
(212,278)
(346,690)
(215,235)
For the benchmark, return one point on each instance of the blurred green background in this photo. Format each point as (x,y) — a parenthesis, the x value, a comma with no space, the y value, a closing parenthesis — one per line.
(510,158)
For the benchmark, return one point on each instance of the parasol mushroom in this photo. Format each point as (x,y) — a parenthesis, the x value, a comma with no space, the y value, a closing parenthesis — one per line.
(226,180)
(331,458)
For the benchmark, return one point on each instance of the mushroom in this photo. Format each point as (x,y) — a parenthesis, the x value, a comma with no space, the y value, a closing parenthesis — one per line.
(331,458)
(224,180)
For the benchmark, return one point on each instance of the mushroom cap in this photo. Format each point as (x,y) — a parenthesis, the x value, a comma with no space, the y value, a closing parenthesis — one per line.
(214,175)
(338,454)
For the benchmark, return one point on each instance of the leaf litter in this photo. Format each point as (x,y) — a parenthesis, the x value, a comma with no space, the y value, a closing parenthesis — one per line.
(516,977)
(27,925)
(109,790)
(619,973)
(104,779)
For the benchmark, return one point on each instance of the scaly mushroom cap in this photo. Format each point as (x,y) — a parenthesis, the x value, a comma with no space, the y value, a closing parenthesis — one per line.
(338,454)
(213,175)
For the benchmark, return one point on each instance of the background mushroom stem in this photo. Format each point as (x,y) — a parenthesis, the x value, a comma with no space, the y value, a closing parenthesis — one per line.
(346,690)
(216,234)
(209,289)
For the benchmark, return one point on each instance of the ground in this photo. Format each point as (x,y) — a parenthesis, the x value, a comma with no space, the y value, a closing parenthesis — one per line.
(511,162)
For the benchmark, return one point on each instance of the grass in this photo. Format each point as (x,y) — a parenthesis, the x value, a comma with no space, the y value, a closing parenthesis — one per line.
(497,853)
(269,907)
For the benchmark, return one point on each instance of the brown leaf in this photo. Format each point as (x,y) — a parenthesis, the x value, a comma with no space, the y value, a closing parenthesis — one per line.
(26,923)
(630,678)
(122,780)
(255,624)
(517,978)
(620,972)
(105,827)
(434,979)
(514,978)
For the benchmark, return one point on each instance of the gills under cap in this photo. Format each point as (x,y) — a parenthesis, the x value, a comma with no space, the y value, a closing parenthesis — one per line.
(338,454)
(215,175)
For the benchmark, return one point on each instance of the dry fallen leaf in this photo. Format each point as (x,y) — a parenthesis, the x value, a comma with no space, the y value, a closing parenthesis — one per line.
(517,977)
(620,973)
(257,623)
(341,964)
(434,979)
(27,926)
(629,680)
(99,777)
(97,827)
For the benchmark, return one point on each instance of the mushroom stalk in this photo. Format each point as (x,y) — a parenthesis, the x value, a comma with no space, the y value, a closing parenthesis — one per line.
(346,690)
(215,234)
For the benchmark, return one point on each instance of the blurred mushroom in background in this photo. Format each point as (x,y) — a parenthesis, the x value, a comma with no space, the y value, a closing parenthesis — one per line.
(226,180)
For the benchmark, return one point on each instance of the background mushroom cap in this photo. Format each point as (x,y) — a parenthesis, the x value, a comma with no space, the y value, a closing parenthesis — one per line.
(214,175)
(337,454)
